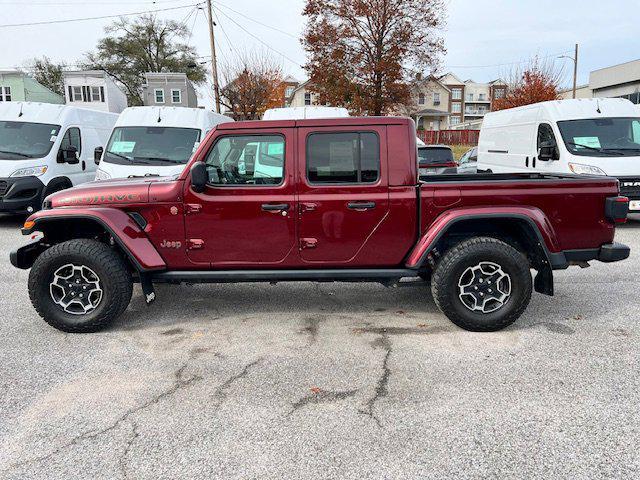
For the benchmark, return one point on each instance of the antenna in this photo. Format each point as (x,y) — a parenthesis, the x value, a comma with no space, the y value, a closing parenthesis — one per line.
(159,117)
(20,114)
(598,103)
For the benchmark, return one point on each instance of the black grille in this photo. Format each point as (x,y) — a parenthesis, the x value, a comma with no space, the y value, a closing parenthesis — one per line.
(3,187)
(630,187)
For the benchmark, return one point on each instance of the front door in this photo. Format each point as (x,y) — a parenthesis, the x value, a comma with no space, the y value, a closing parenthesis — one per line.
(246,215)
(343,195)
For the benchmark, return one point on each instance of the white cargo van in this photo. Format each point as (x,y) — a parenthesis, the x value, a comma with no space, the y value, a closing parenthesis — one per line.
(45,148)
(599,136)
(154,141)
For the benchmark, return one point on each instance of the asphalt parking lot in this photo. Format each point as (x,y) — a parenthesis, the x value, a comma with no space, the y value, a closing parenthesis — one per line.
(325,381)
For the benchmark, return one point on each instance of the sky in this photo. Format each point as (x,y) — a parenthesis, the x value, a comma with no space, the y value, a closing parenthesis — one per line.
(485,39)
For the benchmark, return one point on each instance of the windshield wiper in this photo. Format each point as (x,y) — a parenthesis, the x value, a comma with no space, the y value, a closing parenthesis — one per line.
(162,159)
(599,150)
(9,152)
(119,155)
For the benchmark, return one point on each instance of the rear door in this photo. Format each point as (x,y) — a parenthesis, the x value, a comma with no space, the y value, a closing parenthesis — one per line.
(343,194)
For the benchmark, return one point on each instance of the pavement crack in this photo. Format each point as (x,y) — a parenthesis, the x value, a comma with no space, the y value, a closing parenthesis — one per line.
(311,327)
(320,396)
(179,383)
(383,380)
(122,461)
(221,392)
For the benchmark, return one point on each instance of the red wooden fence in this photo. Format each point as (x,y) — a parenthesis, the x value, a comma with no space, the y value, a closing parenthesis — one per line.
(449,137)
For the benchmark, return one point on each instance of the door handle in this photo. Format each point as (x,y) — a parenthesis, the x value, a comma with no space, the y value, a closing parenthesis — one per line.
(275,207)
(361,206)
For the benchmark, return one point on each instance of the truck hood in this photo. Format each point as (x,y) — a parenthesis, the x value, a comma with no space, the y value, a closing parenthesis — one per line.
(109,192)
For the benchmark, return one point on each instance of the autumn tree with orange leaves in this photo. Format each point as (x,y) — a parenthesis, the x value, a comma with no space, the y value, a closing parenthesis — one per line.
(538,81)
(253,83)
(364,53)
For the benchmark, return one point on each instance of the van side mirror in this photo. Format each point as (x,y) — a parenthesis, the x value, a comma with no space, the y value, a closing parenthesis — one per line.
(69,155)
(199,177)
(548,151)
(97,154)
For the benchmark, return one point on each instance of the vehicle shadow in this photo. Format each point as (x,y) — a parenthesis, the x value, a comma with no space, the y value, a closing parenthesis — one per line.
(11,220)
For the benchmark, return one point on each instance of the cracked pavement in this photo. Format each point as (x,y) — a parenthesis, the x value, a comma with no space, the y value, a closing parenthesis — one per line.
(336,381)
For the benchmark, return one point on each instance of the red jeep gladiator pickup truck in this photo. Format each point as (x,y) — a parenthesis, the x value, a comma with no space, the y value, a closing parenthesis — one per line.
(317,200)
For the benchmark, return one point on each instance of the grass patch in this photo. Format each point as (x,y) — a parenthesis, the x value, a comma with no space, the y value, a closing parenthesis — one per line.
(459,150)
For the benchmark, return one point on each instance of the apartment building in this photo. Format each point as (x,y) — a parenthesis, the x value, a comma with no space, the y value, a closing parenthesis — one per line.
(16,86)
(168,89)
(95,90)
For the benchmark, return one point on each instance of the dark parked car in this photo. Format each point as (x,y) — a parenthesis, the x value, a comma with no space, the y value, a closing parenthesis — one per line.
(436,160)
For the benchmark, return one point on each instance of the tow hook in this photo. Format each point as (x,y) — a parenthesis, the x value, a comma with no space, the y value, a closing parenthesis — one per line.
(147,288)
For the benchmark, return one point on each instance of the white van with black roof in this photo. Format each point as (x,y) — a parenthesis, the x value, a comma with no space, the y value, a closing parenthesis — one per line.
(595,136)
(45,148)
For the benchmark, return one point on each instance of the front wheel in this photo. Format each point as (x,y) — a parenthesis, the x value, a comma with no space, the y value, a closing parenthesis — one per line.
(482,284)
(80,285)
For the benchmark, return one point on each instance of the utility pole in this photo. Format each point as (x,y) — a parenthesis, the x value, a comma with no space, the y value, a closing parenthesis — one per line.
(214,64)
(575,69)
(575,72)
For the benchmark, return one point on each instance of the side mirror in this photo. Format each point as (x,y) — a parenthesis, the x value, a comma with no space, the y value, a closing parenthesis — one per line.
(548,151)
(199,177)
(70,155)
(97,154)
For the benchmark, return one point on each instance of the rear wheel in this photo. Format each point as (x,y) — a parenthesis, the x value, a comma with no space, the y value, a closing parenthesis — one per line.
(80,285)
(482,284)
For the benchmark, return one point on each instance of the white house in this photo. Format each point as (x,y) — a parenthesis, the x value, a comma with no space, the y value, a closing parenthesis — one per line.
(93,89)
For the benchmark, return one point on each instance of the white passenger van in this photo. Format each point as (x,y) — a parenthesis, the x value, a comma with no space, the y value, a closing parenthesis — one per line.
(599,136)
(154,141)
(45,148)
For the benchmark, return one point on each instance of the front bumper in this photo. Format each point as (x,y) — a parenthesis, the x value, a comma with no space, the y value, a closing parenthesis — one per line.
(18,194)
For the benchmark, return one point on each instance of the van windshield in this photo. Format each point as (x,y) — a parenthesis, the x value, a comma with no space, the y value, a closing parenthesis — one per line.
(602,137)
(20,140)
(151,145)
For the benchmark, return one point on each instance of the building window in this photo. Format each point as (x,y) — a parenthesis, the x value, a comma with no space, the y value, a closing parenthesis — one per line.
(76,94)
(289,91)
(343,157)
(95,94)
(499,93)
(455,120)
(456,107)
(5,94)
(469,97)
(482,97)
(421,99)
(159,94)
(436,98)
(176,96)
(456,94)
(307,98)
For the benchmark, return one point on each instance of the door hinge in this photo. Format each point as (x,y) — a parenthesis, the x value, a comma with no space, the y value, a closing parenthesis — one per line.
(308,243)
(191,208)
(195,243)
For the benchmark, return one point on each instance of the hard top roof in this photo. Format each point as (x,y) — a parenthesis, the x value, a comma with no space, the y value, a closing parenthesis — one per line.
(315,122)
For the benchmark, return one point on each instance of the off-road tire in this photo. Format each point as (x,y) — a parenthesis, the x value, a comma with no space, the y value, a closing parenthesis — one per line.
(468,253)
(115,278)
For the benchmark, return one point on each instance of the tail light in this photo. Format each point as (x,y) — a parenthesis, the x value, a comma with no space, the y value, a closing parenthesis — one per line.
(617,209)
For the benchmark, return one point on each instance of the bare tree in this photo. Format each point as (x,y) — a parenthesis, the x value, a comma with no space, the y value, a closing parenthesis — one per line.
(253,82)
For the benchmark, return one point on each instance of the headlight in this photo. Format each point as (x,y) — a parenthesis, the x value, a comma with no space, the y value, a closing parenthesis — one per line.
(30,172)
(585,169)
(102,175)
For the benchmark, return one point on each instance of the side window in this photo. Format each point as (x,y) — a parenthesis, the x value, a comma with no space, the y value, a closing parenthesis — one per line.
(343,158)
(247,160)
(545,135)
(465,158)
(473,157)
(72,139)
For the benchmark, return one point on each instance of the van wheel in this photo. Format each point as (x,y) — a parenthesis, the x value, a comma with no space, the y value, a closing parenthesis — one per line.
(80,286)
(482,284)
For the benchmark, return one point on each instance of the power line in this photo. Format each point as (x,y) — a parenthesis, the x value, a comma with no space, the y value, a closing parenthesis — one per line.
(260,40)
(256,21)
(69,20)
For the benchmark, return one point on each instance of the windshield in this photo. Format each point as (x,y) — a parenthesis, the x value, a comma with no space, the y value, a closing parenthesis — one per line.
(434,156)
(602,137)
(20,140)
(151,145)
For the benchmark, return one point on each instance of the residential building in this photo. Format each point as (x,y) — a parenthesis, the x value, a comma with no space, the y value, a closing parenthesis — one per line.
(16,86)
(433,100)
(290,85)
(302,96)
(168,90)
(95,90)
